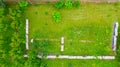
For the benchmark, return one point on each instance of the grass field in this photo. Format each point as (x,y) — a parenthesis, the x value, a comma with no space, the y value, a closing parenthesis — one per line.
(92,23)
(80,63)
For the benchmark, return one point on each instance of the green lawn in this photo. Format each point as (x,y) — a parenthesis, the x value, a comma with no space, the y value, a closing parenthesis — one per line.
(90,22)
(80,63)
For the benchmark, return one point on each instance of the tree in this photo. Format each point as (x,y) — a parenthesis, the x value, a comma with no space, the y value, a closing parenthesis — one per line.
(57,17)
(2,12)
(33,60)
(68,4)
(59,4)
(12,46)
(2,3)
(76,3)
(23,5)
(2,8)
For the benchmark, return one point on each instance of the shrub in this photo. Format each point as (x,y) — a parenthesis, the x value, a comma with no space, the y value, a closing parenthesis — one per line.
(2,4)
(68,4)
(117,3)
(46,13)
(56,16)
(23,5)
(12,11)
(15,13)
(43,47)
(118,48)
(35,44)
(3,8)
(36,12)
(118,55)
(76,3)
(2,12)
(59,4)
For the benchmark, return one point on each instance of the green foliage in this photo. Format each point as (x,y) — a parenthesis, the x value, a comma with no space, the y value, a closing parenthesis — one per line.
(2,4)
(68,4)
(117,3)
(46,13)
(36,13)
(118,47)
(118,55)
(23,5)
(56,17)
(2,12)
(32,61)
(36,34)
(32,55)
(44,65)
(12,11)
(43,47)
(15,13)
(70,65)
(76,3)
(35,44)
(13,37)
(118,43)
(59,4)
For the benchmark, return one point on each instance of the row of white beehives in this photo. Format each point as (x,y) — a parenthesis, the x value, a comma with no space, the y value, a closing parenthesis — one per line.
(27,32)
(115,34)
(75,57)
(62,43)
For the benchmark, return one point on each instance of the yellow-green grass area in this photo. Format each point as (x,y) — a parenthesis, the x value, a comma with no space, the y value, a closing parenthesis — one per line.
(87,29)
(80,63)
